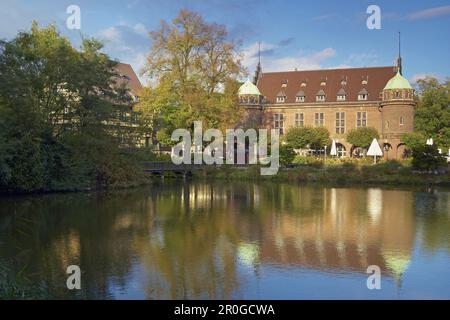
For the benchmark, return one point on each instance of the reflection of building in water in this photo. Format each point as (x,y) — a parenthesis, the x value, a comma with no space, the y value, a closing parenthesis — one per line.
(358,228)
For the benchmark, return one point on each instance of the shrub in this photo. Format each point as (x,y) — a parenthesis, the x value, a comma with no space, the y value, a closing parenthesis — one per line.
(426,157)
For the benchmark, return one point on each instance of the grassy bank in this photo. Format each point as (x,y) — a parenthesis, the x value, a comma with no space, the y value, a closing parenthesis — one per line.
(387,173)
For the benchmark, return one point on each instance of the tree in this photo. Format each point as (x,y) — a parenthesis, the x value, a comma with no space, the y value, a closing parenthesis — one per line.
(303,137)
(414,139)
(432,114)
(320,139)
(54,102)
(362,137)
(195,69)
(427,157)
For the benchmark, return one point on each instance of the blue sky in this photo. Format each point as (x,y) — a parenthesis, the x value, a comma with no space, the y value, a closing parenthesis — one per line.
(294,34)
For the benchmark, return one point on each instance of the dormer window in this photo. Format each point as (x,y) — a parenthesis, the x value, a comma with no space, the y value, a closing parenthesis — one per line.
(343,83)
(303,84)
(362,95)
(341,95)
(323,83)
(281,97)
(300,97)
(320,96)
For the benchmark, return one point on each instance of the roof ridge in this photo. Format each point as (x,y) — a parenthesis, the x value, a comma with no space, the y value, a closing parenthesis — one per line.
(333,69)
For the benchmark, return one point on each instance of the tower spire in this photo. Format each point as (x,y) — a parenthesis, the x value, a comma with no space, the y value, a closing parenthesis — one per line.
(258,67)
(259,53)
(399,59)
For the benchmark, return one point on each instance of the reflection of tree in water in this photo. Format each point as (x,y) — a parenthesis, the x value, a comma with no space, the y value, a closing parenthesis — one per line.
(94,233)
(187,240)
(191,250)
(433,212)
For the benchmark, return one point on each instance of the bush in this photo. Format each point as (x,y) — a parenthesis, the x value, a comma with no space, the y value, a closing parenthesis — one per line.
(287,155)
(426,157)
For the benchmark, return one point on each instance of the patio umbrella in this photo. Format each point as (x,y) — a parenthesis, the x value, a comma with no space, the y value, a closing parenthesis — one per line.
(333,151)
(374,150)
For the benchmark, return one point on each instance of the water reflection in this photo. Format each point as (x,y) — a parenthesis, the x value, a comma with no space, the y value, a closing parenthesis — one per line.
(214,241)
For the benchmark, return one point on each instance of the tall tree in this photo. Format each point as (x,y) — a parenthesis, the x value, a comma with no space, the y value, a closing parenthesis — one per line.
(432,115)
(195,68)
(54,102)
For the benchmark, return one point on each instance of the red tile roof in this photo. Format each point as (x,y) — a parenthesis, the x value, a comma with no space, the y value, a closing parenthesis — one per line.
(128,76)
(270,83)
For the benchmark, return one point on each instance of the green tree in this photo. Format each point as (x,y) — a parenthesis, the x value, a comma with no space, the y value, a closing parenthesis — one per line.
(362,137)
(432,114)
(426,157)
(414,139)
(303,137)
(54,103)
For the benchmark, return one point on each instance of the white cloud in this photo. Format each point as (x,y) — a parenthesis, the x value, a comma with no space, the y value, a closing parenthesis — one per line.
(419,76)
(271,63)
(430,13)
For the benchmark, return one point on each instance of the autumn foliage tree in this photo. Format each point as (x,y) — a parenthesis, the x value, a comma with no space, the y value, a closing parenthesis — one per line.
(195,70)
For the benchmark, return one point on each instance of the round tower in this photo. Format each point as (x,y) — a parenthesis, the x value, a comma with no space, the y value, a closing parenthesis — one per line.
(251,99)
(397,108)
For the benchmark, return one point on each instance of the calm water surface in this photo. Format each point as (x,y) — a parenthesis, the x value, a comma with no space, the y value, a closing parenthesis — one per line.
(233,240)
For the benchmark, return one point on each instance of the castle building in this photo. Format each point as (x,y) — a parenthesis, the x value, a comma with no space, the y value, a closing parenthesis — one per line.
(339,99)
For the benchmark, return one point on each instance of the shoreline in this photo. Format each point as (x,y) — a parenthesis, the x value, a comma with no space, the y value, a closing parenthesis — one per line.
(336,176)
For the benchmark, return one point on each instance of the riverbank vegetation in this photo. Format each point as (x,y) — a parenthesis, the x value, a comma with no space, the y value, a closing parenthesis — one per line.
(54,103)
(334,172)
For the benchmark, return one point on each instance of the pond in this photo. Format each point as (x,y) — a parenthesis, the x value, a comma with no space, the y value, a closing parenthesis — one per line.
(231,240)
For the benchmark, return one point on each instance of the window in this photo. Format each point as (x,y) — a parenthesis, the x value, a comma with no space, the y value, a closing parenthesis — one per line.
(281,99)
(362,96)
(303,84)
(343,83)
(299,120)
(323,83)
(361,119)
(341,97)
(318,119)
(364,82)
(402,121)
(340,122)
(397,95)
(278,121)
(320,98)
(387,124)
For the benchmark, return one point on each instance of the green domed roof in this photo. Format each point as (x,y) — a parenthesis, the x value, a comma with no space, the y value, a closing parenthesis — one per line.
(397,262)
(398,82)
(248,88)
